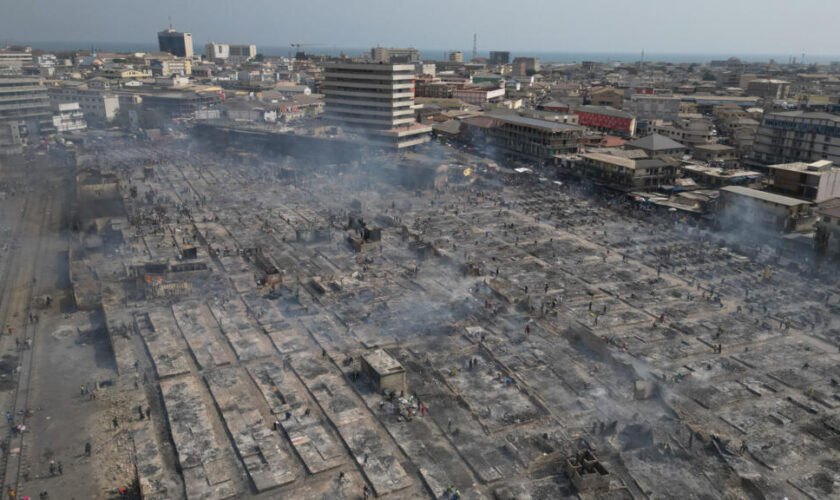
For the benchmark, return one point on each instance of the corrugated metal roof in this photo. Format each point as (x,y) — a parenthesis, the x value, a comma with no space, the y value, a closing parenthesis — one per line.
(765,196)
(533,122)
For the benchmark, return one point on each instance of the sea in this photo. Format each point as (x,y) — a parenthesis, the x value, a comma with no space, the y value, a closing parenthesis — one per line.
(545,56)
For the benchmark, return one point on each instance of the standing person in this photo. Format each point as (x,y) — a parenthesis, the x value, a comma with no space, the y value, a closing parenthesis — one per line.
(88,448)
(60,469)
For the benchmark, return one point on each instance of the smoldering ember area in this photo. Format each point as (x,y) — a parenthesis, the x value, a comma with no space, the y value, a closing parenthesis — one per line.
(212,319)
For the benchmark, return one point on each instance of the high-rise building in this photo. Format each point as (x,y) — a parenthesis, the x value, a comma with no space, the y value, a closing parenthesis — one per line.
(456,57)
(218,52)
(376,100)
(523,66)
(24,111)
(242,52)
(395,56)
(498,57)
(176,43)
(221,52)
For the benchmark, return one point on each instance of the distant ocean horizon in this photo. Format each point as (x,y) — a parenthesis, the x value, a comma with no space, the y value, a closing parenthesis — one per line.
(545,56)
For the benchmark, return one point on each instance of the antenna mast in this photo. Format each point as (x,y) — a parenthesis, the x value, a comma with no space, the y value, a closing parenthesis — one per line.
(475,45)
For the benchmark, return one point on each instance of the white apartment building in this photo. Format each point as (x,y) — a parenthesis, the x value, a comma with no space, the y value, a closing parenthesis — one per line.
(14,60)
(69,117)
(99,107)
(376,100)
(221,52)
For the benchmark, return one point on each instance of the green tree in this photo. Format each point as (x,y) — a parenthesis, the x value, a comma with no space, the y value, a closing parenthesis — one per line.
(259,57)
(708,76)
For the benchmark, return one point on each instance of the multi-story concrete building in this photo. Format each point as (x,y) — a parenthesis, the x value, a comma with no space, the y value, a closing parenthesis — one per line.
(69,117)
(433,88)
(10,140)
(14,59)
(499,57)
(817,181)
(533,139)
(768,89)
(718,154)
(479,95)
(657,146)
(242,53)
(827,235)
(218,52)
(456,57)
(376,100)
(525,65)
(24,107)
(179,103)
(224,52)
(689,131)
(740,132)
(760,209)
(653,107)
(174,66)
(605,96)
(99,107)
(607,119)
(395,55)
(793,136)
(626,173)
(176,43)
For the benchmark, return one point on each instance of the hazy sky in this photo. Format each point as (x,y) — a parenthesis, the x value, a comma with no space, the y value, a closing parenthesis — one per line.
(658,26)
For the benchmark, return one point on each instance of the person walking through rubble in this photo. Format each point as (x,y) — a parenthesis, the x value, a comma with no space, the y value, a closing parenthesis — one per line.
(88,448)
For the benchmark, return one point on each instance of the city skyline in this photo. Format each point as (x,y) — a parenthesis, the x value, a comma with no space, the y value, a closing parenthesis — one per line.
(748,27)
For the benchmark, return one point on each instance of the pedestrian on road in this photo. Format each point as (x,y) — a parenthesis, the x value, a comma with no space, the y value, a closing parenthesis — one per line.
(60,469)
(149,412)
(52,467)
(116,422)
(87,449)
(81,390)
